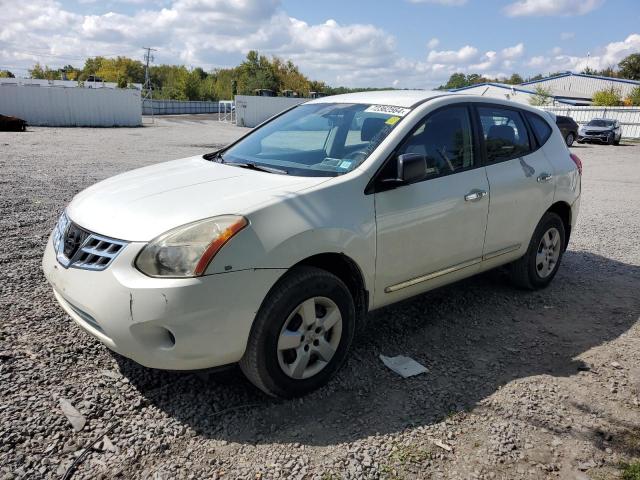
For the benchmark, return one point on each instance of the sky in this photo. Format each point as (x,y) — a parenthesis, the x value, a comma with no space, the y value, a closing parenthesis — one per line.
(355,43)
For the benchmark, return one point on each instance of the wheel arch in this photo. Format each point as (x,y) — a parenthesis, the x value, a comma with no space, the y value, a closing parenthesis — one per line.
(563,210)
(347,270)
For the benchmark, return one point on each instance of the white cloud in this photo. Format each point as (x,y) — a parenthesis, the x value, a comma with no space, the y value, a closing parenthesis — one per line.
(513,52)
(551,7)
(609,55)
(465,54)
(433,43)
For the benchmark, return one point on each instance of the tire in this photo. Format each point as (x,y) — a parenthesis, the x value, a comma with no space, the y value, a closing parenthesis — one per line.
(529,272)
(611,139)
(617,142)
(569,139)
(273,368)
(581,142)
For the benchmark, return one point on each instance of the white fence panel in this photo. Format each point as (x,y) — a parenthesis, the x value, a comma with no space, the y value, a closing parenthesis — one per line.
(178,107)
(252,111)
(72,107)
(629,117)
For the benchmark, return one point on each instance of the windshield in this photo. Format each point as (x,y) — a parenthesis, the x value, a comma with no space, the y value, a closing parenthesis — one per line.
(322,139)
(600,123)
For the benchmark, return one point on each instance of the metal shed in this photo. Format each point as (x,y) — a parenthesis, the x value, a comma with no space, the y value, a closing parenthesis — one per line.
(503,91)
(581,86)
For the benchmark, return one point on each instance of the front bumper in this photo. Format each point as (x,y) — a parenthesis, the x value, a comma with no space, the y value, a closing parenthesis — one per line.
(172,324)
(602,138)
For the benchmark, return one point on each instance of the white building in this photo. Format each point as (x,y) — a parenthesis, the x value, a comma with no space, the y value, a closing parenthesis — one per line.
(580,86)
(566,89)
(62,83)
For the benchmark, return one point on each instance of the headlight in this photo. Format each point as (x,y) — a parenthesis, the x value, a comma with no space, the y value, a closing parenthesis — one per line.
(58,231)
(186,251)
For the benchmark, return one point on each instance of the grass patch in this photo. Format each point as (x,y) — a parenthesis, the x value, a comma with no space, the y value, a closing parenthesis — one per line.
(630,471)
(411,454)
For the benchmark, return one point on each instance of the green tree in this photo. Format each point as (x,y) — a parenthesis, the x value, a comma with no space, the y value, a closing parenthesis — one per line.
(634,98)
(475,78)
(629,67)
(192,84)
(542,97)
(44,73)
(589,71)
(515,79)
(610,71)
(6,74)
(609,97)
(456,80)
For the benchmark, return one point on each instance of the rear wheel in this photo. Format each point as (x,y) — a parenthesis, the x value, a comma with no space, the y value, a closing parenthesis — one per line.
(301,335)
(540,264)
(569,139)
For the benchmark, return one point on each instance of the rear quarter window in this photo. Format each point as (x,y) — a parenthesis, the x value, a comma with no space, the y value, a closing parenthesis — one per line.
(540,127)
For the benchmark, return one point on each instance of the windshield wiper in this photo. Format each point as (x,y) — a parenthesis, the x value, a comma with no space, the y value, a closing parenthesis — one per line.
(215,156)
(254,166)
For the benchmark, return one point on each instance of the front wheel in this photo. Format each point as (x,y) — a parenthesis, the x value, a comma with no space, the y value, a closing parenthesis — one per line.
(540,264)
(301,335)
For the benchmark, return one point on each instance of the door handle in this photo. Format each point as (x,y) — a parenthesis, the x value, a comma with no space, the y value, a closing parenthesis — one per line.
(475,195)
(544,177)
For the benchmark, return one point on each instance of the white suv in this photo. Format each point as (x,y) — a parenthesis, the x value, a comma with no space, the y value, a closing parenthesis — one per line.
(271,251)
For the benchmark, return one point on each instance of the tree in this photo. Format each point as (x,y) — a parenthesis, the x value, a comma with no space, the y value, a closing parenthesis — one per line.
(474,78)
(192,84)
(589,71)
(515,79)
(541,98)
(456,80)
(610,71)
(44,73)
(634,97)
(607,98)
(630,67)
(6,74)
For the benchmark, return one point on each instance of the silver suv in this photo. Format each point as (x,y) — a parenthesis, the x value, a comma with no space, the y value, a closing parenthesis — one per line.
(601,130)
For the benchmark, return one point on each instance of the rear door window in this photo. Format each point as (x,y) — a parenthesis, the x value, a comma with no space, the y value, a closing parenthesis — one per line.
(505,133)
(540,128)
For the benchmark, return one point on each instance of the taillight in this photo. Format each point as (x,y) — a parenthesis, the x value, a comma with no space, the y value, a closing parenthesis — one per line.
(577,161)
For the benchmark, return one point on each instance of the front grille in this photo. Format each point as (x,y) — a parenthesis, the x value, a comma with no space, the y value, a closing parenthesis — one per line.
(78,248)
(595,133)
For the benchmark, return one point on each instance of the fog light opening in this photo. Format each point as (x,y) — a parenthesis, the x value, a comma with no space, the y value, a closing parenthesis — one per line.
(172,339)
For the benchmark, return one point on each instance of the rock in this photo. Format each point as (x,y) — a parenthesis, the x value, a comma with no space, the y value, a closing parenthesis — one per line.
(76,419)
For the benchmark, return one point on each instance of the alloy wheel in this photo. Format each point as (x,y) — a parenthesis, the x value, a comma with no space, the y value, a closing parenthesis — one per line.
(548,253)
(309,338)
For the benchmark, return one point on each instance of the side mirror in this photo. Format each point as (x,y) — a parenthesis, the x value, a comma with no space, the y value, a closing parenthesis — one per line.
(411,167)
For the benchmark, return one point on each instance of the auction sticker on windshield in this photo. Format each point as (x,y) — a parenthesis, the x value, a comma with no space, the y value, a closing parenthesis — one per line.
(388,110)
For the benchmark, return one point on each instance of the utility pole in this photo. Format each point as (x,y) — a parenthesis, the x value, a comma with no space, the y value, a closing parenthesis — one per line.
(147,88)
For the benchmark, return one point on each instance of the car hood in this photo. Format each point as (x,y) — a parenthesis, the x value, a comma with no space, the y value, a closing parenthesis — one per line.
(596,129)
(144,203)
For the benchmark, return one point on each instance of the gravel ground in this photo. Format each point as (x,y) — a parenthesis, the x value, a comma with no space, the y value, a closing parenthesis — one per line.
(520,384)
